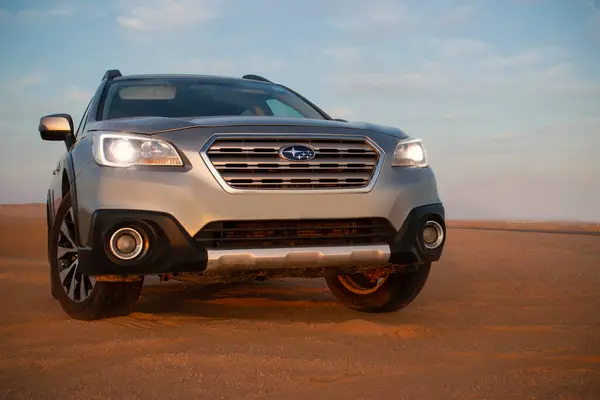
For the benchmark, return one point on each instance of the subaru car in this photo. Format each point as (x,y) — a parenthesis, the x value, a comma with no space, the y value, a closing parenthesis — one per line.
(208,179)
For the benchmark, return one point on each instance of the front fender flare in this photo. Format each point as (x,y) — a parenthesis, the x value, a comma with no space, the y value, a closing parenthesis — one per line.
(69,169)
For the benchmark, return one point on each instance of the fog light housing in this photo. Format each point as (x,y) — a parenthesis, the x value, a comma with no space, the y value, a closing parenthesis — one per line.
(432,235)
(126,244)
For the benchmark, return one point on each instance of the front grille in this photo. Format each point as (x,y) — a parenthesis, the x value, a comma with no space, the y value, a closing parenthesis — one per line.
(288,233)
(255,163)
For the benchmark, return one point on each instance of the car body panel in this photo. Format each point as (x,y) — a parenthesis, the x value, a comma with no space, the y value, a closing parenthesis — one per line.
(55,188)
(191,197)
(155,125)
(194,197)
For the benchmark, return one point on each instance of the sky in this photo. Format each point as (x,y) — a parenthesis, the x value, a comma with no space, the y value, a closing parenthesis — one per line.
(505,94)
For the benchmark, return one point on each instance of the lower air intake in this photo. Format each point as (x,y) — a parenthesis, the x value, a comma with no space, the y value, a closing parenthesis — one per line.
(287,233)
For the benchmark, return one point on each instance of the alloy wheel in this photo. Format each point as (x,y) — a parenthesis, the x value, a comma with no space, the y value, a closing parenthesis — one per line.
(361,284)
(77,286)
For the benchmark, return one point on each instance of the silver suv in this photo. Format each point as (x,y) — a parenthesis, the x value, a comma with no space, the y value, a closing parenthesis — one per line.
(218,179)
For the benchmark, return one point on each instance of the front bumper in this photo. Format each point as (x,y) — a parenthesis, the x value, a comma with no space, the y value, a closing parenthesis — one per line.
(173,250)
(194,197)
(177,203)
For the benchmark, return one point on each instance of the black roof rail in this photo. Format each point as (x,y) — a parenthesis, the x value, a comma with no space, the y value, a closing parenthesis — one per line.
(256,78)
(112,73)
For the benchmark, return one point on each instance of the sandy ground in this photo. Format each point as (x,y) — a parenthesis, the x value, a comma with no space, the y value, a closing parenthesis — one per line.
(504,315)
(589,228)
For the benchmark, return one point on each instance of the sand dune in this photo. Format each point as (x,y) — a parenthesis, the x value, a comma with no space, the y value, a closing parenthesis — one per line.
(504,315)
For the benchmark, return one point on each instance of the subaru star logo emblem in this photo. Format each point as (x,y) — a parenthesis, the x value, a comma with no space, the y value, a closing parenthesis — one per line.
(297,152)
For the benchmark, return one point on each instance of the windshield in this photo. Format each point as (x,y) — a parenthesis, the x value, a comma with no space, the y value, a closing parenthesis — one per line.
(198,97)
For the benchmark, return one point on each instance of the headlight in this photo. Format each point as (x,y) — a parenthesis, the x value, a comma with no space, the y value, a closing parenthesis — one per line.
(409,153)
(125,150)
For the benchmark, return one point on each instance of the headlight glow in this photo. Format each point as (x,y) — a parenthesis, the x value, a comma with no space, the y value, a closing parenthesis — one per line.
(126,150)
(121,151)
(409,153)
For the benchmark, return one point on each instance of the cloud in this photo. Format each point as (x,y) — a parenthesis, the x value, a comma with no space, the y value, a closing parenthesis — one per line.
(19,85)
(536,77)
(29,80)
(522,59)
(457,15)
(558,71)
(253,63)
(343,54)
(455,117)
(165,15)
(60,12)
(463,46)
(450,46)
(505,135)
(78,94)
(256,63)
(562,79)
(378,15)
(416,81)
(438,65)
(210,66)
(34,14)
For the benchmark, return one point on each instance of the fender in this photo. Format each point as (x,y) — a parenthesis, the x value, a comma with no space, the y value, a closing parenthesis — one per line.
(69,168)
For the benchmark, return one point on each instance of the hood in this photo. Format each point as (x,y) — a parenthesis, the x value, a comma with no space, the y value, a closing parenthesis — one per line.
(155,125)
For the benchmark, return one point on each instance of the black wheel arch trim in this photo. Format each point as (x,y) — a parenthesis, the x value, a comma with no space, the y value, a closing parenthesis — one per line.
(49,210)
(69,168)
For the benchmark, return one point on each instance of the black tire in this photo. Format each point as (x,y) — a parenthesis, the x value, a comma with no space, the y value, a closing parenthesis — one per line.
(105,299)
(397,291)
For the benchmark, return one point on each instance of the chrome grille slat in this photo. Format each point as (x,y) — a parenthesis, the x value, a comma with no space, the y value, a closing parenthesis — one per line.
(263,152)
(255,161)
(228,176)
(292,168)
(294,185)
(252,162)
(225,145)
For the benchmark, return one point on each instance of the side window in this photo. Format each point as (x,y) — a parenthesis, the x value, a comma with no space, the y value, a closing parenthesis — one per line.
(280,109)
(83,120)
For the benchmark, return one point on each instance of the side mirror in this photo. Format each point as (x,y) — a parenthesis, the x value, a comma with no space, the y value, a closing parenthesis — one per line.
(56,127)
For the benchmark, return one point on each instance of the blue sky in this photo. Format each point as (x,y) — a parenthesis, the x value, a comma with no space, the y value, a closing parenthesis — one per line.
(505,93)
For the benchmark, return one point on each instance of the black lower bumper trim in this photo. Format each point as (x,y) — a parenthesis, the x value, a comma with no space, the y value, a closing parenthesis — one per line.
(407,246)
(170,248)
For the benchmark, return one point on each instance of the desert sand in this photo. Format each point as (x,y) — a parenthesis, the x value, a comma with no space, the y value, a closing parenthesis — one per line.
(504,315)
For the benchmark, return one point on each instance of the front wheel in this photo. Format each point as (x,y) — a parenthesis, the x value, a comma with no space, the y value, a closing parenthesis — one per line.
(388,293)
(80,296)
